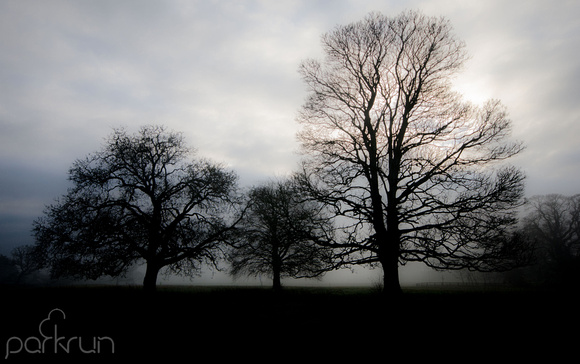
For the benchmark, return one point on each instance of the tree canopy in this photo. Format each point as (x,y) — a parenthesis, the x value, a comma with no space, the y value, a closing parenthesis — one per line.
(139,199)
(414,172)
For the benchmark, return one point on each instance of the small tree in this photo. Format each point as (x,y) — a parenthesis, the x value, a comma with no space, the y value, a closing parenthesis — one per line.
(279,234)
(25,261)
(138,199)
(410,169)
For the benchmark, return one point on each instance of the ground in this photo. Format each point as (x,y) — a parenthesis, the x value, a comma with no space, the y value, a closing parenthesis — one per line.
(221,324)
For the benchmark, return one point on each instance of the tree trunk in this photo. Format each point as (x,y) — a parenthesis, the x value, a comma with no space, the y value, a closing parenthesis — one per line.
(389,249)
(276,272)
(150,280)
(389,258)
(277,284)
(276,266)
(391,285)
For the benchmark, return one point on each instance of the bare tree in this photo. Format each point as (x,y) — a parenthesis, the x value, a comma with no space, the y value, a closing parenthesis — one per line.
(279,234)
(139,199)
(25,261)
(553,226)
(411,170)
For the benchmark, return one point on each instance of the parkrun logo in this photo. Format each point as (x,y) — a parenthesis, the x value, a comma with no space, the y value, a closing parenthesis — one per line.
(50,343)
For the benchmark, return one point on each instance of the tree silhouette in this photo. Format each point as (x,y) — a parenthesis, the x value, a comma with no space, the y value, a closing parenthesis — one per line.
(25,261)
(279,234)
(552,225)
(137,200)
(394,151)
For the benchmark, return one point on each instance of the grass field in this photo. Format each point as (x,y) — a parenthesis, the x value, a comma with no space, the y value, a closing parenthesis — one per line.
(235,323)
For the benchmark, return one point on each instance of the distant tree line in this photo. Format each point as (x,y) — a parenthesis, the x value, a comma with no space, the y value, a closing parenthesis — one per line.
(552,228)
(397,168)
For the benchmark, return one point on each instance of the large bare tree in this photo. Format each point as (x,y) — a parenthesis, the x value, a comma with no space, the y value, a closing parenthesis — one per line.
(139,199)
(411,170)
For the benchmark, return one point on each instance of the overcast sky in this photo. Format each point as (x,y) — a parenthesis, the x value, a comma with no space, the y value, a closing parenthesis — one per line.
(225,74)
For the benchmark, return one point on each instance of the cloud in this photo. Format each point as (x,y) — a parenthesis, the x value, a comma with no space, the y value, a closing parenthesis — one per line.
(525,54)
